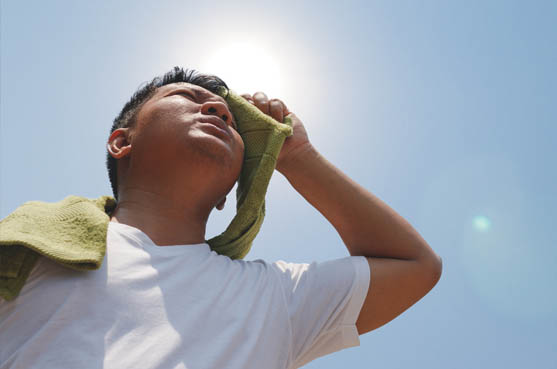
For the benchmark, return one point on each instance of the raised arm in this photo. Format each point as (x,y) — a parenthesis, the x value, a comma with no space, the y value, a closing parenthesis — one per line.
(403,266)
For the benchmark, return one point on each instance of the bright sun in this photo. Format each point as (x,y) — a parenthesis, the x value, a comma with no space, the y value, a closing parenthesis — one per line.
(246,68)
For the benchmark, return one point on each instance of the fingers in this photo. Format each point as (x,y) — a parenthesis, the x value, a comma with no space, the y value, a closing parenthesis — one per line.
(261,101)
(274,107)
(284,108)
(275,110)
(248,98)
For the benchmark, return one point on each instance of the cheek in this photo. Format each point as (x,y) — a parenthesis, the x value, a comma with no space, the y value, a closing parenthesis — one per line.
(164,124)
(239,144)
(157,134)
(159,141)
(168,112)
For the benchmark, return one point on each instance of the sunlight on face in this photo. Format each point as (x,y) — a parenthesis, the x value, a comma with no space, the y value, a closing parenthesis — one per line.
(246,68)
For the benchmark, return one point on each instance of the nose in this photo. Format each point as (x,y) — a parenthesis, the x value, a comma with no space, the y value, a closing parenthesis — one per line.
(216,108)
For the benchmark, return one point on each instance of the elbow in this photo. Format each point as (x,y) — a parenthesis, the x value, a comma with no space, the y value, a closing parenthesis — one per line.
(436,269)
(432,269)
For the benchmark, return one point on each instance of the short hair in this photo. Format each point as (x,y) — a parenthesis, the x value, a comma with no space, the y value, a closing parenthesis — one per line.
(128,115)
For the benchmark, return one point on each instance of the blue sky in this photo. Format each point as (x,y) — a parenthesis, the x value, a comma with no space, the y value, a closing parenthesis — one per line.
(445,110)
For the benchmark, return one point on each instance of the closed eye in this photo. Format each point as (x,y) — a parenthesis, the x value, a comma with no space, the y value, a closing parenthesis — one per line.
(187,94)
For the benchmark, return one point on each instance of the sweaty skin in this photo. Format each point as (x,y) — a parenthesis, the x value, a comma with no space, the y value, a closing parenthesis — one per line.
(178,169)
(176,163)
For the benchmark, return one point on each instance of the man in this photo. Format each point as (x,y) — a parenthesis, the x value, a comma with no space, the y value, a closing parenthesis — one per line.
(163,299)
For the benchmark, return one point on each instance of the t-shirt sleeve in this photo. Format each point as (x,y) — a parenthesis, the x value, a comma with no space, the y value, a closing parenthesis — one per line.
(323,300)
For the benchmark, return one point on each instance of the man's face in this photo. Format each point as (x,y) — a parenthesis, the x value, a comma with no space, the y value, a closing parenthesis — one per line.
(184,126)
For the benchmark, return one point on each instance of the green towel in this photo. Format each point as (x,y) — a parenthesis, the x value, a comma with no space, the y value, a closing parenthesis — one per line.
(73,231)
(263,137)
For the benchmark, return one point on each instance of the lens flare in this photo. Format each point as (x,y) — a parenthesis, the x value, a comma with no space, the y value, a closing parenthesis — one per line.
(506,254)
(481,223)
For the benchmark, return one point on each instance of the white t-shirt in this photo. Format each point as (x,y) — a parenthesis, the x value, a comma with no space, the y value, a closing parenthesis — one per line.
(184,306)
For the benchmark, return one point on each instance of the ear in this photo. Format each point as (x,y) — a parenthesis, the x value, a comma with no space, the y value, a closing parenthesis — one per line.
(220,204)
(118,144)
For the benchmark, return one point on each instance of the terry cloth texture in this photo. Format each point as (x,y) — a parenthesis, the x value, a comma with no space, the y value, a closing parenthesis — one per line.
(73,231)
(263,138)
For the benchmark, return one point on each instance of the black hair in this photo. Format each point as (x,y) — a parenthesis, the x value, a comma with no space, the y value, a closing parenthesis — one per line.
(128,115)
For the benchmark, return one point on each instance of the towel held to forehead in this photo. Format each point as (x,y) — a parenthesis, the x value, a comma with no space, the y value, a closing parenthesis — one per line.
(263,138)
(72,232)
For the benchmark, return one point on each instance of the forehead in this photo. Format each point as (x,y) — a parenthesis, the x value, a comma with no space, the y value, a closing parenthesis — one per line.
(198,90)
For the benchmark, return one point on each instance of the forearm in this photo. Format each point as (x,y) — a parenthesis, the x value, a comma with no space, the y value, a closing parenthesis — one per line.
(367,225)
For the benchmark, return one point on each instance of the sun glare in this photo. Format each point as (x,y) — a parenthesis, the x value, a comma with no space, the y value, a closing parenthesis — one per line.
(246,68)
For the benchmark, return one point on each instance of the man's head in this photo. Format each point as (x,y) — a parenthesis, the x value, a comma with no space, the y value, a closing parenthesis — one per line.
(175,132)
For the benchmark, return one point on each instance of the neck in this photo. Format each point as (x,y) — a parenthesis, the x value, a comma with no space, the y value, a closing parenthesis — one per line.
(164,220)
